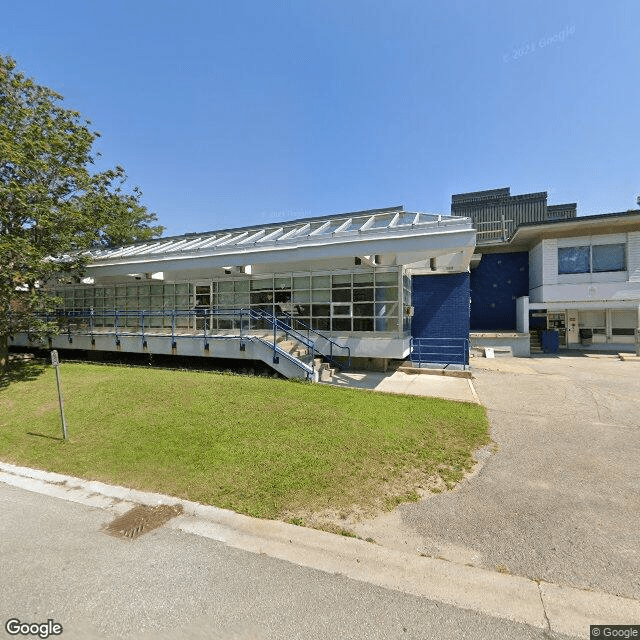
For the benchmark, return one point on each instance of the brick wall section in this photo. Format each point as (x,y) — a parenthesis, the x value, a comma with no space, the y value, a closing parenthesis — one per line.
(496,282)
(441,306)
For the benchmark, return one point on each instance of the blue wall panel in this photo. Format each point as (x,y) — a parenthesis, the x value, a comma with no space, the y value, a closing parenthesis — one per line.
(496,282)
(441,306)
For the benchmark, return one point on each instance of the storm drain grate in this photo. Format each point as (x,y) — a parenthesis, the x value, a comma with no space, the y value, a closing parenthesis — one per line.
(142,519)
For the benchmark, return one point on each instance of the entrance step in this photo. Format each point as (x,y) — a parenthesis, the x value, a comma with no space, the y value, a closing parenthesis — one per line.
(293,348)
(324,369)
(500,351)
(534,342)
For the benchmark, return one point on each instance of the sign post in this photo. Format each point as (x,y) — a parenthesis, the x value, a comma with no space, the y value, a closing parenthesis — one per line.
(56,363)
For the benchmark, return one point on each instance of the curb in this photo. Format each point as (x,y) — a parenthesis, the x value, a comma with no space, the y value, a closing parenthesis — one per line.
(453,373)
(546,606)
(474,393)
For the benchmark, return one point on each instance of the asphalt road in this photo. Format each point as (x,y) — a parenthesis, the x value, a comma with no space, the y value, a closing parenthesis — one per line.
(56,562)
(559,500)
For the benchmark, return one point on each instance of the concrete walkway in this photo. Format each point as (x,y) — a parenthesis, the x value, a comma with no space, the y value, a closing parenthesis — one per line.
(555,609)
(435,386)
(559,500)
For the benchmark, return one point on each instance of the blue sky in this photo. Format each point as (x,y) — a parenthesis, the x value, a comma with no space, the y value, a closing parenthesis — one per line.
(241,112)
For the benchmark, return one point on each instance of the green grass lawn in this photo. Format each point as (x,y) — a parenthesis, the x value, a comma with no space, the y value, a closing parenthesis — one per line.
(260,446)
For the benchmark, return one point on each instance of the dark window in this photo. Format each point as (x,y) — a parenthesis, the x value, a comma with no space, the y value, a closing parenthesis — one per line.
(322,324)
(341,324)
(261,297)
(321,310)
(341,310)
(341,295)
(363,295)
(283,296)
(573,260)
(301,310)
(363,310)
(622,332)
(363,324)
(608,257)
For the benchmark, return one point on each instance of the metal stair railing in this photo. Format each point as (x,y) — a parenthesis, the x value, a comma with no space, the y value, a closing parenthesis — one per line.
(278,353)
(327,352)
(116,323)
(276,325)
(445,351)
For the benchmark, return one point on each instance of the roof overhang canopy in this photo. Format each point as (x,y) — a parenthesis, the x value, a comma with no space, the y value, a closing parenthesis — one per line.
(409,236)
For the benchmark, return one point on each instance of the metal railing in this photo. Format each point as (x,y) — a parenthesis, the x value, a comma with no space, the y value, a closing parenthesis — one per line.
(497,230)
(325,345)
(445,351)
(197,324)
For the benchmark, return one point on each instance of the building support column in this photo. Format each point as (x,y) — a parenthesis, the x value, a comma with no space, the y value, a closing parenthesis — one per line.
(522,314)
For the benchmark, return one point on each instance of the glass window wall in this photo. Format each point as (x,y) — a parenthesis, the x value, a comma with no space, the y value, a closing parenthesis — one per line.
(340,302)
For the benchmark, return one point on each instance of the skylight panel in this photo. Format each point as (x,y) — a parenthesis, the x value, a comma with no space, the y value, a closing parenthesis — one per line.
(405,218)
(424,218)
(232,239)
(273,236)
(381,221)
(295,232)
(325,228)
(254,237)
(344,227)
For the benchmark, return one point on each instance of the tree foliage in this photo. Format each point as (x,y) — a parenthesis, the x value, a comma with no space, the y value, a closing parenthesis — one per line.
(53,205)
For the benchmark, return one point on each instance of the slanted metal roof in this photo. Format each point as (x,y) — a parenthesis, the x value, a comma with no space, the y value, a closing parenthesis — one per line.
(384,223)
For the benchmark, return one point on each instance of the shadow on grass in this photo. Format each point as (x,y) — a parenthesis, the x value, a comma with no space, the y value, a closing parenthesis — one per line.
(21,369)
(42,435)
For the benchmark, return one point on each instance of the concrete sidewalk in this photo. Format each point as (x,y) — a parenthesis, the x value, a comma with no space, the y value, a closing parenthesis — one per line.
(549,607)
(437,386)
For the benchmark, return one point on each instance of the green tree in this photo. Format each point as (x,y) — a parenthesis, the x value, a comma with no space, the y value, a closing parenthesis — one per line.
(53,205)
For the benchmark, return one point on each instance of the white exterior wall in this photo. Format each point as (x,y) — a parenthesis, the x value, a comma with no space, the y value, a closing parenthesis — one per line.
(603,301)
(633,256)
(543,271)
(535,267)
(618,286)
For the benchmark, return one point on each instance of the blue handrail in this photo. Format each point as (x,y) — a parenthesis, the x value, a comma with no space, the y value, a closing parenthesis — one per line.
(440,351)
(322,344)
(332,343)
(241,321)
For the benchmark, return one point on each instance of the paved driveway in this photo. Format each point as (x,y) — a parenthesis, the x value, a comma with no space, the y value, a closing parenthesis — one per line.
(560,499)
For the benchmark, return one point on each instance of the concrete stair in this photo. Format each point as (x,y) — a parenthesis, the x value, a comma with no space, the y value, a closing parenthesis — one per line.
(295,349)
(325,370)
(534,342)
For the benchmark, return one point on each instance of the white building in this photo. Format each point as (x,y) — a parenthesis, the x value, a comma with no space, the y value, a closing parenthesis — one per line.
(584,278)
(339,287)
(367,287)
